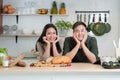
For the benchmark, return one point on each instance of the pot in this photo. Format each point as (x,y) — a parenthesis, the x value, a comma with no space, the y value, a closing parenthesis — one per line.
(108,26)
(99,28)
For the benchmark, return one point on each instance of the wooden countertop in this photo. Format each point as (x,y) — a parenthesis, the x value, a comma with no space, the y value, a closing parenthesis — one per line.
(76,67)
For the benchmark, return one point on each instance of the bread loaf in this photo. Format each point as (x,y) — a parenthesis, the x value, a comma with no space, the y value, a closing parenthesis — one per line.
(61,60)
(21,64)
(21,56)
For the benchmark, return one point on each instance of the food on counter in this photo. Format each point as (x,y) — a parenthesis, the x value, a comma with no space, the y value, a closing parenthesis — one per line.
(111,65)
(54,9)
(58,61)
(62,9)
(9,9)
(45,64)
(21,56)
(49,59)
(21,64)
(61,59)
(43,11)
(9,57)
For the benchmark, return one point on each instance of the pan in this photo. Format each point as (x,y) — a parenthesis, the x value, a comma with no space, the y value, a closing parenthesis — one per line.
(108,26)
(99,28)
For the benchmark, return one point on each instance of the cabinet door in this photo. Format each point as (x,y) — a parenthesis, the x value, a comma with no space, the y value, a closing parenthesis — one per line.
(1,30)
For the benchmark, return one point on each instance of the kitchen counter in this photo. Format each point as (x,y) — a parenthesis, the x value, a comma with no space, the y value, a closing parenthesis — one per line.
(76,67)
(74,72)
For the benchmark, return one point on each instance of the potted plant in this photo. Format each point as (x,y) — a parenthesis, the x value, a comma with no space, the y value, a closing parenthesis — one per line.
(118,58)
(63,27)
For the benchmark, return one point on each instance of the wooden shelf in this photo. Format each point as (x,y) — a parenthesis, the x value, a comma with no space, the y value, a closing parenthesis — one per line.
(34,14)
(17,15)
(19,35)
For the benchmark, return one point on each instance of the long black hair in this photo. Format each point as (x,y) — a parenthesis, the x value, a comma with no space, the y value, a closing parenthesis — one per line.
(40,39)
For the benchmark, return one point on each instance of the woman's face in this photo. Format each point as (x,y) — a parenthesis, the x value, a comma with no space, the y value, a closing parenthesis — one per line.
(51,34)
(79,32)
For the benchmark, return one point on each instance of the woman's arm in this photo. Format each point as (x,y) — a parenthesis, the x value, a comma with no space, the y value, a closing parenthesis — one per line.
(46,54)
(55,51)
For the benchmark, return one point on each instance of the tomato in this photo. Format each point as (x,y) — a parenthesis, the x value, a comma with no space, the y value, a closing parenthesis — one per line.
(69,64)
(9,57)
(32,64)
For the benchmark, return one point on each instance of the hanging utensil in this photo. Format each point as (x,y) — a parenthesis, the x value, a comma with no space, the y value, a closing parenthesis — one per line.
(88,28)
(93,22)
(80,17)
(17,19)
(77,17)
(99,28)
(108,26)
(85,19)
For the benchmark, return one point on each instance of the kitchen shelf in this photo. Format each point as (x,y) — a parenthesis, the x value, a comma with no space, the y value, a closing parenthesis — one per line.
(50,15)
(34,14)
(19,35)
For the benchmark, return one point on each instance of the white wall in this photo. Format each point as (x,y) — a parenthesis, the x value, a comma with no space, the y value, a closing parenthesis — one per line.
(37,23)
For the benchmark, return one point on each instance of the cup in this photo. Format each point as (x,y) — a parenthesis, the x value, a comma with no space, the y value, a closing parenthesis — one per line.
(117,52)
(5,63)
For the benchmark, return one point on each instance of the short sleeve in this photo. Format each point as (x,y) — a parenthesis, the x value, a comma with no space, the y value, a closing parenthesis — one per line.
(66,47)
(94,47)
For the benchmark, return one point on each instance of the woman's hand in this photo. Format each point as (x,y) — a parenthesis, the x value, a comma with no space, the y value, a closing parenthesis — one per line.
(57,39)
(45,39)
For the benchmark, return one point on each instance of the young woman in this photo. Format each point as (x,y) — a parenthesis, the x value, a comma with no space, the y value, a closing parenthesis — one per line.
(48,43)
(81,47)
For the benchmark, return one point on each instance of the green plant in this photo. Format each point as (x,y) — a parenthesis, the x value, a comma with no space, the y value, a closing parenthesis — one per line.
(61,24)
(118,58)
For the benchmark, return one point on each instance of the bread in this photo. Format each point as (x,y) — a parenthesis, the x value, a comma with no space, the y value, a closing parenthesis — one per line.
(61,60)
(20,57)
(21,64)
(49,59)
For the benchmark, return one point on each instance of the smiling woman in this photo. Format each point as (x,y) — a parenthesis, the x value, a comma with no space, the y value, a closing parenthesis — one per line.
(48,43)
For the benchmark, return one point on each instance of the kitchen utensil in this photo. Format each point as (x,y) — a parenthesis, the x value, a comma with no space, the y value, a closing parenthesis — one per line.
(17,18)
(85,19)
(80,17)
(99,28)
(90,26)
(108,26)
(77,17)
